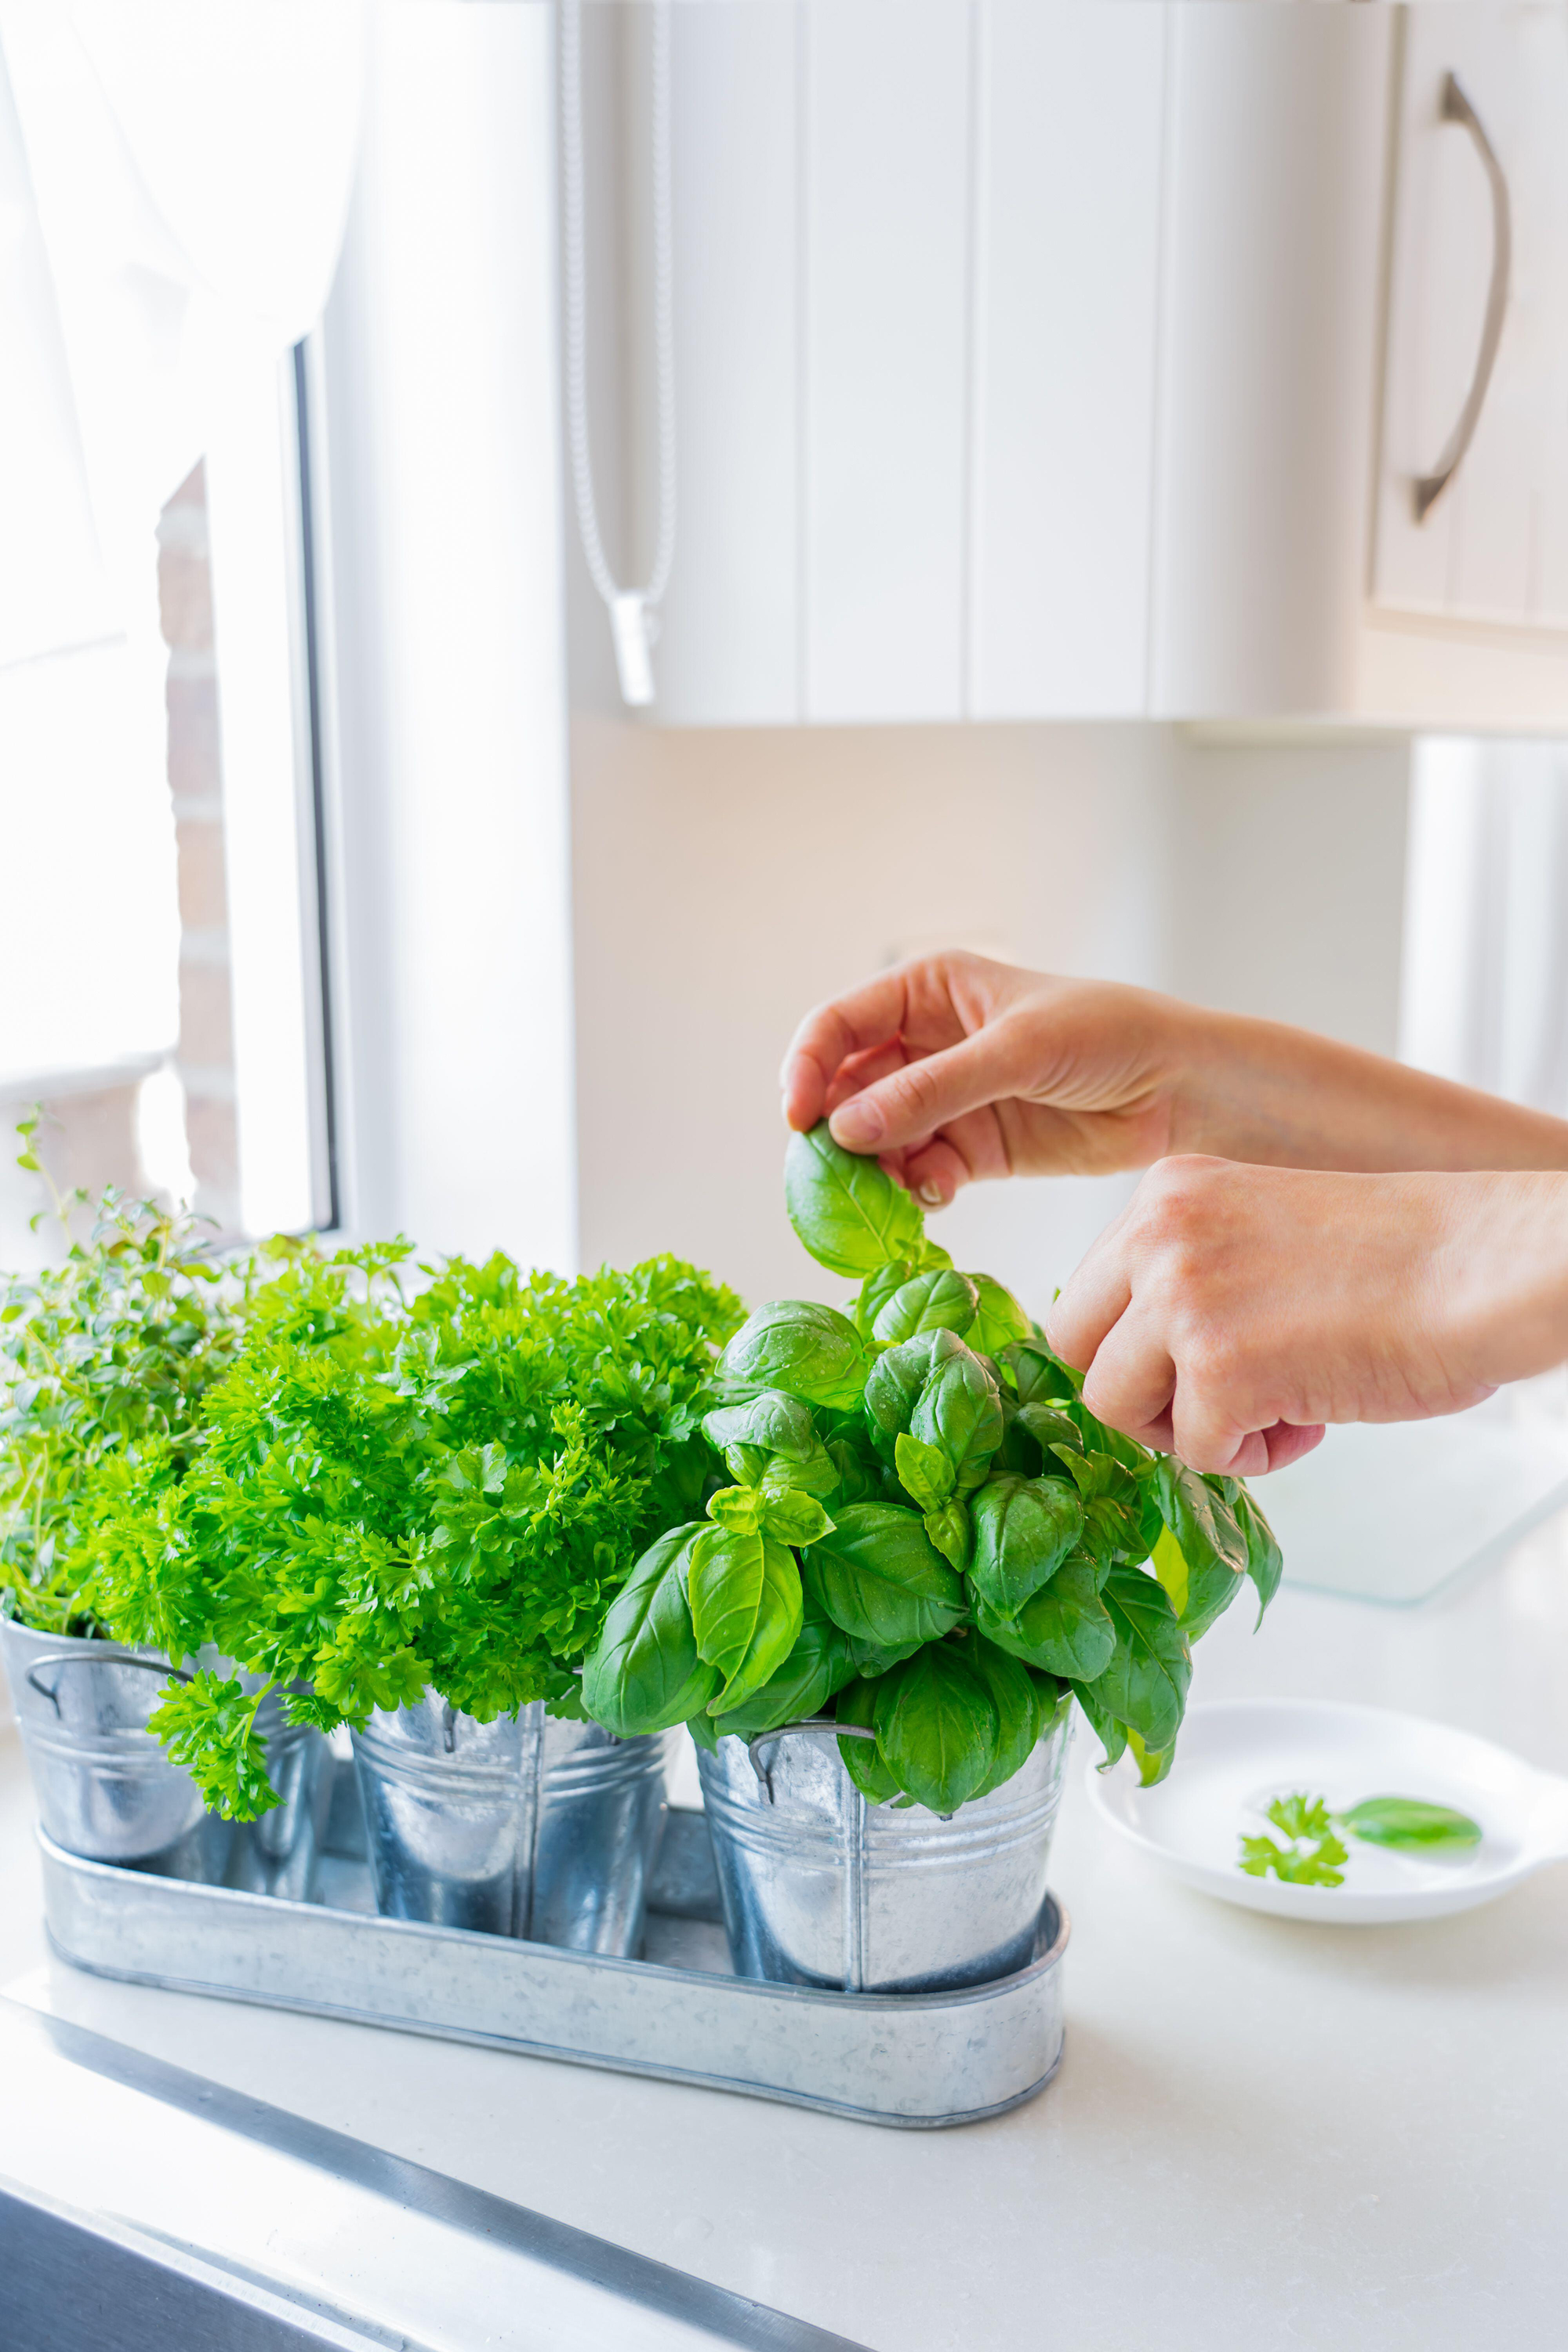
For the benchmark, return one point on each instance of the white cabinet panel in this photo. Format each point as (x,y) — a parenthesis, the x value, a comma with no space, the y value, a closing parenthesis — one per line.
(887,206)
(1495,544)
(729,650)
(1069,148)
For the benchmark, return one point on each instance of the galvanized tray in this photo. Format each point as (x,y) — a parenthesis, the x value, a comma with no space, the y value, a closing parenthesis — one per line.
(920,2061)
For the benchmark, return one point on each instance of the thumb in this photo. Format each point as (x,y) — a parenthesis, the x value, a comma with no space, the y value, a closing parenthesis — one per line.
(913,1102)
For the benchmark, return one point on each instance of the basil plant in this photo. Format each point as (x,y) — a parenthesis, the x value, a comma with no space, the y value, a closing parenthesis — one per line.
(913,1524)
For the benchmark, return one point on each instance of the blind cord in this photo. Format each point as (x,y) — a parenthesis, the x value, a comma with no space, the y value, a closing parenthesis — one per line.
(634,622)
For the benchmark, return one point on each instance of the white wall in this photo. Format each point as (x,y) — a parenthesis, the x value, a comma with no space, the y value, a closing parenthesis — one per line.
(1288,880)
(725,880)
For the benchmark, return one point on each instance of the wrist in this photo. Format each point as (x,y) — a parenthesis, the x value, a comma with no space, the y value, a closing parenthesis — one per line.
(1500,1272)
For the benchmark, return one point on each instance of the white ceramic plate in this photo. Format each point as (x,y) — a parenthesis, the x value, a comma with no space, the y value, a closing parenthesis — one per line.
(1236,1756)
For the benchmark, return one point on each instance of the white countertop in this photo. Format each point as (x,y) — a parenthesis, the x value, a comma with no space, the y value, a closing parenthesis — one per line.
(1262,2135)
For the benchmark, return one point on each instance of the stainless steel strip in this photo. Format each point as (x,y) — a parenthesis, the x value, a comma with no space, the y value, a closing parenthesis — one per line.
(634,2279)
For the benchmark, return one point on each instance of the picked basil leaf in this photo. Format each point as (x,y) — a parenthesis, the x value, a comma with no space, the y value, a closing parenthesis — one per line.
(847,1210)
(644,1672)
(813,1353)
(1410,1826)
(1023,1529)
(941,1300)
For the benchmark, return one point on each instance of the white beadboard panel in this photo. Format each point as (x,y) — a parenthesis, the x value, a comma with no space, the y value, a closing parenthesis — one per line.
(1070,123)
(886,202)
(728,651)
(1271,302)
(1496,543)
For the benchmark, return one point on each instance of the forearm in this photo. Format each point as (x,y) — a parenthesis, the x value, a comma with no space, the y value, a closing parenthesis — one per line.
(1259,1091)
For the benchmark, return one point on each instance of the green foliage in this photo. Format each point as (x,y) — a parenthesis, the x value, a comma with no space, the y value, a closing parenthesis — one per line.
(1314,1851)
(113,1350)
(384,1496)
(921,1492)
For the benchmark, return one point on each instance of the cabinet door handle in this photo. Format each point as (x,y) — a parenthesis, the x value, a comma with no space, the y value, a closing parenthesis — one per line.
(1429,488)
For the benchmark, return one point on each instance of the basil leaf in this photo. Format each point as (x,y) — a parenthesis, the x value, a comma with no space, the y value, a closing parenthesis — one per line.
(1206,1532)
(895,1380)
(937,1726)
(862,1758)
(1038,1376)
(813,1353)
(854,1480)
(1025,1704)
(1023,1529)
(1409,1826)
(1002,1322)
(950,1531)
(1145,1683)
(746,1608)
(820,1663)
(1265,1561)
(879,1578)
(847,1210)
(795,1518)
(959,1409)
(644,1672)
(1154,1763)
(1064,1630)
(738,1508)
(874,1658)
(817,1474)
(925,1473)
(1111,1734)
(877,1290)
(776,1423)
(941,1300)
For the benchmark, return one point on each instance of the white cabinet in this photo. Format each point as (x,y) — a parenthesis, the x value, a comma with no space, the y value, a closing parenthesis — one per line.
(1494,544)
(1048,359)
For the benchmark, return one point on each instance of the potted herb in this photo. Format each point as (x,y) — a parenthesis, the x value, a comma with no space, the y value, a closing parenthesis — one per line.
(926,1548)
(113,1349)
(409,1516)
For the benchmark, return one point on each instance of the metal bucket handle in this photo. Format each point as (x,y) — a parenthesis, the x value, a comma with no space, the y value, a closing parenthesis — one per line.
(75,1658)
(811,1726)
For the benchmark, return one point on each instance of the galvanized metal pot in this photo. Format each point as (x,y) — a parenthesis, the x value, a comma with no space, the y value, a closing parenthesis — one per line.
(104,1786)
(821,1889)
(524,1827)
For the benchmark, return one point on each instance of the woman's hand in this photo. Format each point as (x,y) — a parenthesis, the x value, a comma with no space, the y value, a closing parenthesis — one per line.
(1230,1312)
(951,1068)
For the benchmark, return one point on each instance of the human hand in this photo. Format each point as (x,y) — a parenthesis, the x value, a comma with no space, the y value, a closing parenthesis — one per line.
(952,1067)
(1230,1312)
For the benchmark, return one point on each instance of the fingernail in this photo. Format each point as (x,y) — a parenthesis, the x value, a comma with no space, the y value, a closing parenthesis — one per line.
(932,1195)
(857,1125)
